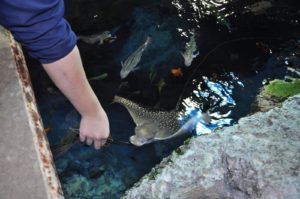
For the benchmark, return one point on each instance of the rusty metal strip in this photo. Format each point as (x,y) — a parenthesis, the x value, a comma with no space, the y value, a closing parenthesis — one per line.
(41,142)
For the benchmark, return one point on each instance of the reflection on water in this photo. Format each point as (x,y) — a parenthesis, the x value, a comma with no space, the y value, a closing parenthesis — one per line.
(219,95)
(221,90)
(199,9)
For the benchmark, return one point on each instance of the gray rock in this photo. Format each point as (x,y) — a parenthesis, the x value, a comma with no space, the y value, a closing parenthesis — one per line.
(257,158)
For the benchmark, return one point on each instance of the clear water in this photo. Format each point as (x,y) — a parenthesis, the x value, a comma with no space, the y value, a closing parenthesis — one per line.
(239,46)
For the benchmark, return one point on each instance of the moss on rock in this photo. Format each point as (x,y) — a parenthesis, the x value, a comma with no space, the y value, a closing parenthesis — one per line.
(273,94)
(282,89)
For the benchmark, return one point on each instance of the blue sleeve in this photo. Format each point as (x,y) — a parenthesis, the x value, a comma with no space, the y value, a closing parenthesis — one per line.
(39,26)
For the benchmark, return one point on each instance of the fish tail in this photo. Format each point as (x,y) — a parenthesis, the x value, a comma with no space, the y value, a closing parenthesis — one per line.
(117,99)
(148,40)
(196,54)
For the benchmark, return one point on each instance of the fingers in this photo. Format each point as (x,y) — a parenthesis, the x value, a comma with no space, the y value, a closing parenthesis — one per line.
(98,143)
(89,141)
(82,138)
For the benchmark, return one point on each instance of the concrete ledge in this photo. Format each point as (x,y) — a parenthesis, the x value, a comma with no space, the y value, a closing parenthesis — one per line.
(26,166)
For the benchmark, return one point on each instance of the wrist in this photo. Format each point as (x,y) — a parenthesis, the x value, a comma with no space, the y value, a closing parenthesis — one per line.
(96,112)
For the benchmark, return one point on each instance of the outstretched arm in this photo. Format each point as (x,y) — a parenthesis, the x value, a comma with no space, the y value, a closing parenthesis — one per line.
(68,75)
(40,27)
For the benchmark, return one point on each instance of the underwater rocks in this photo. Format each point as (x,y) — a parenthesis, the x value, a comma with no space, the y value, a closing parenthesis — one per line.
(76,185)
(79,186)
(256,158)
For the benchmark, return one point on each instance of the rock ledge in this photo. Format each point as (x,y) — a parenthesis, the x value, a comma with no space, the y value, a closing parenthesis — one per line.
(257,158)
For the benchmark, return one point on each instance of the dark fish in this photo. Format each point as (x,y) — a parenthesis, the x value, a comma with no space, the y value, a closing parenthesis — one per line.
(72,138)
(97,38)
(96,173)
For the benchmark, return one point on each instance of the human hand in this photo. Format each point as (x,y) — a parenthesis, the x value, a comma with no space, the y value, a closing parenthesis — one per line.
(94,129)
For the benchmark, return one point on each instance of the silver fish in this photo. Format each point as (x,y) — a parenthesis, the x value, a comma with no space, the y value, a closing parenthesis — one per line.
(154,125)
(190,51)
(97,38)
(132,61)
(258,7)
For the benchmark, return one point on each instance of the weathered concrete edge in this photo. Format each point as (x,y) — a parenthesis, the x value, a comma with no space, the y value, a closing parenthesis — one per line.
(41,144)
(149,179)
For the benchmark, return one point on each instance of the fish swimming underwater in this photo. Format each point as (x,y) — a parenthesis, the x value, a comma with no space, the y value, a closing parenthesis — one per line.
(154,125)
(258,7)
(177,72)
(132,61)
(97,38)
(190,51)
(71,138)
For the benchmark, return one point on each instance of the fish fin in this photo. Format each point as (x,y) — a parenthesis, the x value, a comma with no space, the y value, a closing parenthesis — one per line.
(178,133)
(84,39)
(135,68)
(182,54)
(122,64)
(148,40)
(100,42)
(116,99)
(196,54)
(47,130)
(205,118)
